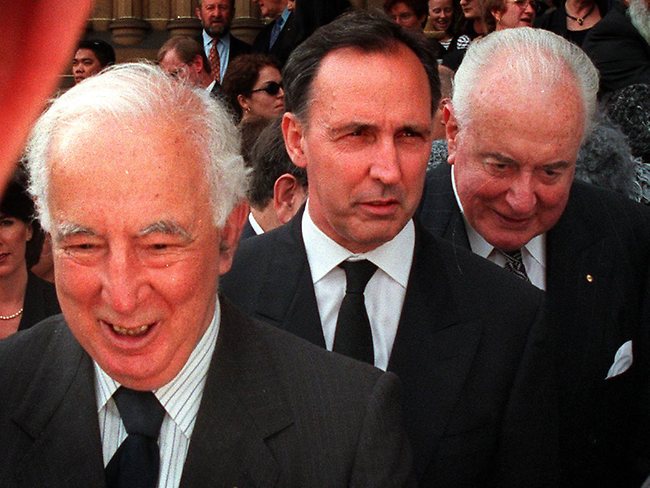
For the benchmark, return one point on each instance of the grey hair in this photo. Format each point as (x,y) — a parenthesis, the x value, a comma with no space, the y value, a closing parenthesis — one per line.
(129,95)
(533,56)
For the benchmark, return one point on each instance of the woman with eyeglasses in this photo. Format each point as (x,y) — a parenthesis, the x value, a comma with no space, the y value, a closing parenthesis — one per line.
(253,87)
(507,14)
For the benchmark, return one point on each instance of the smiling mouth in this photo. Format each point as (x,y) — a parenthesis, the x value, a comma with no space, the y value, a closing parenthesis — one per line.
(130,332)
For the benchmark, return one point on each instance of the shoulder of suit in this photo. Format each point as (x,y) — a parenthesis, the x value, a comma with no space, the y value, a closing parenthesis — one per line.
(296,356)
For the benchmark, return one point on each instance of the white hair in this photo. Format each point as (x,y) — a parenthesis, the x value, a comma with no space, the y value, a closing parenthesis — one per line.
(128,96)
(639,14)
(533,57)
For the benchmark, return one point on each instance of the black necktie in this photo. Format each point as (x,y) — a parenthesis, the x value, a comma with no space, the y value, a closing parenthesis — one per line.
(137,461)
(353,334)
(515,264)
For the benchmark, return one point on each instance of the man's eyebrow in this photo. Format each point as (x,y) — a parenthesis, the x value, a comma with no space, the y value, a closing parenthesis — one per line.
(168,227)
(68,229)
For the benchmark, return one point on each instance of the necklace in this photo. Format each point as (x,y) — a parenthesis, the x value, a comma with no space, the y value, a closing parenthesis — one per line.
(12,316)
(580,20)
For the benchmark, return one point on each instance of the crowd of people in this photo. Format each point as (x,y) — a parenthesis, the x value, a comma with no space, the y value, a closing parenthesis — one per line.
(398,248)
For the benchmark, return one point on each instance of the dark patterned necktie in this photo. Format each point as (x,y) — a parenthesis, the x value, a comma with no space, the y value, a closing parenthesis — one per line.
(353,334)
(136,463)
(515,264)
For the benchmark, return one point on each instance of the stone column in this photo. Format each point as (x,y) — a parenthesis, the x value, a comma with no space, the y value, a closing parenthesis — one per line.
(128,28)
(183,21)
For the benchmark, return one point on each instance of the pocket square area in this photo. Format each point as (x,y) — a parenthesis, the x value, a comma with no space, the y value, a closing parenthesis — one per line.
(622,360)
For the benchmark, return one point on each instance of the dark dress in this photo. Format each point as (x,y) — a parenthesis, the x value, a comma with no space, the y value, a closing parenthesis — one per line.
(40,302)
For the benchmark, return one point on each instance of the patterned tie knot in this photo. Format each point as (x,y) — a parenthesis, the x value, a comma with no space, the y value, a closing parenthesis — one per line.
(357,275)
(141,412)
(515,263)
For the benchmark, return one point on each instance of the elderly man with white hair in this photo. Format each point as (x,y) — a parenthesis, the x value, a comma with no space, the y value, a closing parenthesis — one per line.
(523,103)
(149,379)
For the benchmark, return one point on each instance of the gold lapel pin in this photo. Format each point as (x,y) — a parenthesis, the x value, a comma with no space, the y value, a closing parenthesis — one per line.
(590,278)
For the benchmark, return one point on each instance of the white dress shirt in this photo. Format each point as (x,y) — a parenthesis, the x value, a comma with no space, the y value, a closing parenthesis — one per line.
(223,48)
(384,294)
(180,398)
(254,224)
(533,253)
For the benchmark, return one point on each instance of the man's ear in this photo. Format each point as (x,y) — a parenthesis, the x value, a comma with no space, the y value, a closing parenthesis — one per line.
(230,236)
(293,133)
(496,14)
(288,196)
(197,63)
(197,12)
(451,129)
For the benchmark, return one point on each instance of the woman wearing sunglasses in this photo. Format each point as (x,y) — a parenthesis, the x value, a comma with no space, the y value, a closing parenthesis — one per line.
(253,87)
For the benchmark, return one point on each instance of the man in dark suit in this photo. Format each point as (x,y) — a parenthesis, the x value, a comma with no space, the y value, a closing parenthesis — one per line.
(141,233)
(279,37)
(464,337)
(220,46)
(619,45)
(510,191)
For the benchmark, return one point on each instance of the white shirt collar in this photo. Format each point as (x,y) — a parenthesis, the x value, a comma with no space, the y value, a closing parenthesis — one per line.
(324,254)
(180,397)
(535,247)
(255,224)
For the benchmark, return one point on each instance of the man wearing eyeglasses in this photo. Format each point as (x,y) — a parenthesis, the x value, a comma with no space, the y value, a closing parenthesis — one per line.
(183,58)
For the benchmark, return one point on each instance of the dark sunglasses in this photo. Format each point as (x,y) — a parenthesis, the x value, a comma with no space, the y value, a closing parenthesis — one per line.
(272,88)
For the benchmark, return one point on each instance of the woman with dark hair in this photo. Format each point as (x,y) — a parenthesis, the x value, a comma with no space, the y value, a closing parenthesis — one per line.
(24,298)
(253,87)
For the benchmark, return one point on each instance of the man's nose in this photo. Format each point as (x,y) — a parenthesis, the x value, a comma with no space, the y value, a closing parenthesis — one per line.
(386,167)
(122,286)
(521,195)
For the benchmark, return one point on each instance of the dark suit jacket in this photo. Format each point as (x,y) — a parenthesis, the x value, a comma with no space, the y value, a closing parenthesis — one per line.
(247,231)
(606,237)
(276,411)
(618,50)
(284,44)
(477,405)
(40,302)
(237,48)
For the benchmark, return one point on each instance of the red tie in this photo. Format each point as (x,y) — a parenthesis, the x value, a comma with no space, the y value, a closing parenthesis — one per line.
(215,62)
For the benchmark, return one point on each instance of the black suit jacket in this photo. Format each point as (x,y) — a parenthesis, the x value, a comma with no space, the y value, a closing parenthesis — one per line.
(618,50)
(276,411)
(40,302)
(469,350)
(597,260)
(284,44)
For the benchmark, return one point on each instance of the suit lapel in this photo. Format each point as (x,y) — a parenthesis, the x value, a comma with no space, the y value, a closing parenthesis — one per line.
(433,350)
(59,413)
(580,275)
(287,296)
(242,405)
(439,212)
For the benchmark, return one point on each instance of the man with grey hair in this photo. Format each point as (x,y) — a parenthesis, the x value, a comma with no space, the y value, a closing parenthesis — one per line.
(619,45)
(523,102)
(149,379)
